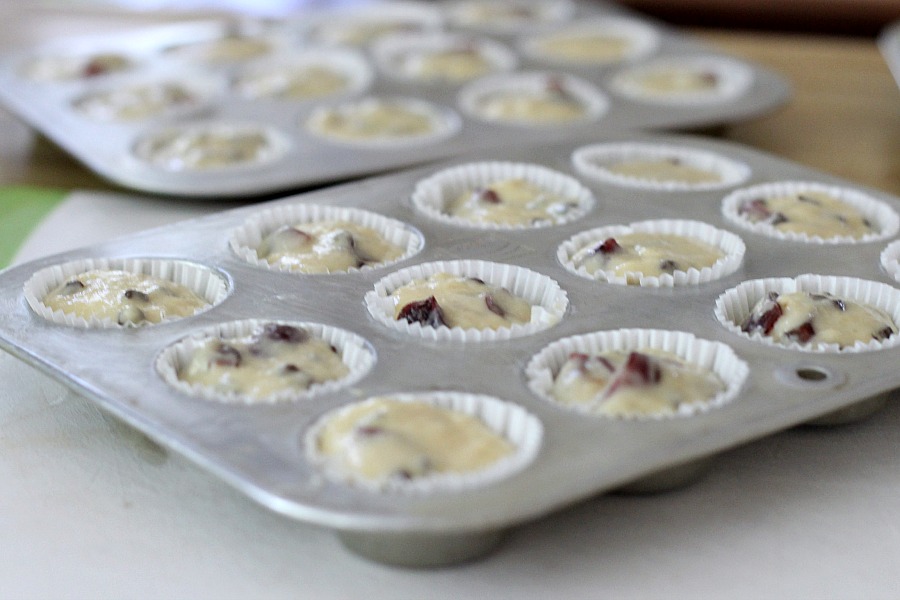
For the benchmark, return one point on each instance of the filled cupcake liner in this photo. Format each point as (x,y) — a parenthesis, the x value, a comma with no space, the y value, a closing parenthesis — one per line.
(590,161)
(355,351)
(524,15)
(734,306)
(346,62)
(432,194)
(203,281)
(549,301)
(63,67)
(882,217)
(444,120)
(144,150)
(733,79)
(245,239)
(390,51)
(642,39)
(339,26)
(731,245)
(104,102)
(522,429)
(716,357)
(890,260)
(595,103)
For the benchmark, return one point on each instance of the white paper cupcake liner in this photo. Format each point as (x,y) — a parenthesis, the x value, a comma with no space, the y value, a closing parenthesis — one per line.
(445,123)
(174,138)
(595,103)
(731,245)
(340,25)
(736,304)
(716,357)
(642,39)
(245,240)
(355,351)
(549,301)
(883,218)
(733,79)
(346,62)
(390,54)
(522,429)
(521,16)
(203,281)
(890,260)
(228,43)
(61,67)
(591,162)
(432,194)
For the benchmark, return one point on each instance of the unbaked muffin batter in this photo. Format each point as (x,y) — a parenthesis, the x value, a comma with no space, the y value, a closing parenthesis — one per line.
(197,149)
(277,358)
(65,68)
(552,104)
(646,254)
(513,201)
(456,63)
(457,301)
(326,247)
(372,120)
(291,83)
(585,47)
(135,102)
(229,49)
(817,318)
(383,439)
(622,383)
(673,80)
(123,297)
(662,170)
(812,212)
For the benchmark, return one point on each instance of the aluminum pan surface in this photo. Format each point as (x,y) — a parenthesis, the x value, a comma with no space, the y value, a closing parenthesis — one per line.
(106,147)
(258,449)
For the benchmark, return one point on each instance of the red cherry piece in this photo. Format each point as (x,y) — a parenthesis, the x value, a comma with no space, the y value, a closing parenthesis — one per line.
(426,312)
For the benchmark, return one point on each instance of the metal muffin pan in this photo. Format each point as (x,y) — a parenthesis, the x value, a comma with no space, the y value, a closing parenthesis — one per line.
(108,147)
(259,449)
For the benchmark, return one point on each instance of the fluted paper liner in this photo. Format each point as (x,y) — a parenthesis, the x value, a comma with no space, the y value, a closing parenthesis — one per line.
(642,39)
(431,195)
(388,50)
(883,218)
(890,260)
(245,240)
(591,162)
(729,244)
(716,357)
(548,300)
(523,430)
(445,123)
(355,353)
(736,304)
(733,79)
(595,103)
(202,280)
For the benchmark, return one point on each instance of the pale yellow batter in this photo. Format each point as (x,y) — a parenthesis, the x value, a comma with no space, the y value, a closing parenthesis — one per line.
(815,319)
(206,149)
(372,120)
(646,254)
(136,102)
(646,382)
(448,64)
(585,47)
(457,301)
(813,213)
(663,170)
(127,298)
(64,68)
(326,247)
(277,358)
(672,80)
(549,105)
(292,83)
(360,32)
(229,49)
(384,439)
(512,201)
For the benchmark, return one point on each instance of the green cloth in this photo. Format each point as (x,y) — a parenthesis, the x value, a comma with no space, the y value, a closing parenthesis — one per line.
(21,210)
